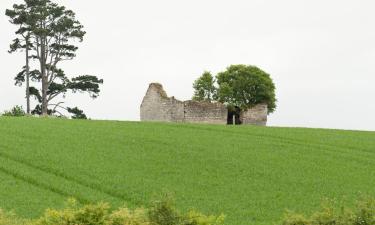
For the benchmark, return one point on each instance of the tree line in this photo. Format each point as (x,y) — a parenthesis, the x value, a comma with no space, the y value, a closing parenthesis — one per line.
(47,34)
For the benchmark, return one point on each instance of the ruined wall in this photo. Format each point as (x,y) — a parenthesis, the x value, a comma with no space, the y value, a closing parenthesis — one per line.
(205,112)
(256,115)
(156,106)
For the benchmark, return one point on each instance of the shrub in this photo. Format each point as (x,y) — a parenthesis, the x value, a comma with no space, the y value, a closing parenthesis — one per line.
(16,111)
(125,216)
(164,213)
(160,213)
(362,214)
(91,214)
(197,218)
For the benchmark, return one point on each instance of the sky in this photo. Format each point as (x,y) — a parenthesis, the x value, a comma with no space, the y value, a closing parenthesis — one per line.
(320,54)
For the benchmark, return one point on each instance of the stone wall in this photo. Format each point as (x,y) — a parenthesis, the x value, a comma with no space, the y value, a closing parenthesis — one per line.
(256,115)
(156,106)
(205,112)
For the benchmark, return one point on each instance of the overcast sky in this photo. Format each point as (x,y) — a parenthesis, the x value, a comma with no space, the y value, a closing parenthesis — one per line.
(320,54)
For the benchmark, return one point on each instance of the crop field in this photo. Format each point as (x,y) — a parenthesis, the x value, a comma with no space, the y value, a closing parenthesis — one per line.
(251,174)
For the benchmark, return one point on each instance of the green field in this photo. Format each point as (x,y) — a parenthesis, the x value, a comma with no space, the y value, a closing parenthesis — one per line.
(251,174)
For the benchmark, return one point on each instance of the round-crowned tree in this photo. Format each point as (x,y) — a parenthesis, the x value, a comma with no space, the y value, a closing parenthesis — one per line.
(245,86)
(204,88)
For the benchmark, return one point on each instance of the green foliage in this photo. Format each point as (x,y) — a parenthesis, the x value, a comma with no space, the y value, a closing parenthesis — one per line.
(91,214)
(245,86)
(101,214)
(20,15)
(197,218)
(125,216)
(252,174)
(77,113)
(294,219)
(85,83)
(164,213)
(50,33)
(331,214)
(20,78)
(16,111)
(239,86)
(204,88)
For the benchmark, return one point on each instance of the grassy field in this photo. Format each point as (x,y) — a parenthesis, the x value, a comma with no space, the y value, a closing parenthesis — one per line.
(251,174)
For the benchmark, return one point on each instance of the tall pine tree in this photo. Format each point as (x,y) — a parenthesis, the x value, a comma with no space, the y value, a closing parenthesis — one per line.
(52,31)
(20,16)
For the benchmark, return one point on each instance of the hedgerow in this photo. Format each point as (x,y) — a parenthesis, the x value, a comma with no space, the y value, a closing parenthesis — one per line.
(164,213)
(332,214)
(160,213)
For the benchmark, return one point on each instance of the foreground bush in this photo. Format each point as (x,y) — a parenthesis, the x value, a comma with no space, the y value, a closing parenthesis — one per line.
(160,213)
(329,214)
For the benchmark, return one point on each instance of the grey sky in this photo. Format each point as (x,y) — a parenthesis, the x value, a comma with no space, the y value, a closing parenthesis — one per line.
(320,53)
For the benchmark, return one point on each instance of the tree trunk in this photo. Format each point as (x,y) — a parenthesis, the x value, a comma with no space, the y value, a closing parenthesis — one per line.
(44,77)
(27,78)
(44,96)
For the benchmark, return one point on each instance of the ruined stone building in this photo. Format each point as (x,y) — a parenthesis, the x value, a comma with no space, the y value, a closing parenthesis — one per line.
(157,106)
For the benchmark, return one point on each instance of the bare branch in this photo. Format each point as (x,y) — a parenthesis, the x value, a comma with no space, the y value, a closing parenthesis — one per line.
(57,105)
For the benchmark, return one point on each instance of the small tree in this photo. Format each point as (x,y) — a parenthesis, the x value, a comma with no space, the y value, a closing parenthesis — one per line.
(246,86)
(204,88)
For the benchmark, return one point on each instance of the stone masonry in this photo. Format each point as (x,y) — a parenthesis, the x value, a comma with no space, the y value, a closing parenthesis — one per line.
(205,112)
(256,115)
(157,106)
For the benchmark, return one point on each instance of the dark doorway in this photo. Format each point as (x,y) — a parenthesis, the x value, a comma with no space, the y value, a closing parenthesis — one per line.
(230,117)
(234,116)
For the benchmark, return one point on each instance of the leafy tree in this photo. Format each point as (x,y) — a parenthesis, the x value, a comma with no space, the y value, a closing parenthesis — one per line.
(53,31)
(204,88)
(245,86)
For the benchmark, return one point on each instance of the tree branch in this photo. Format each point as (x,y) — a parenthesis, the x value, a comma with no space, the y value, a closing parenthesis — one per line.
(57,105)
